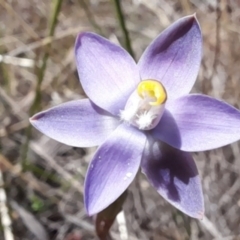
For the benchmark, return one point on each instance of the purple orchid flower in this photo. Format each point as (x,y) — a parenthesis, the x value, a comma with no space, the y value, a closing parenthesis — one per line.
(142,115)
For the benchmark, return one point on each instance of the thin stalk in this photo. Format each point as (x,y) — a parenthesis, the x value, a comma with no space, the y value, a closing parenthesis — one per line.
(122,24)
(52,26)
(40,75)
(90,17)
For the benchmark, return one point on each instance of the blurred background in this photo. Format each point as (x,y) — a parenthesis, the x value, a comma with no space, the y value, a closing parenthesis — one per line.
(41,180)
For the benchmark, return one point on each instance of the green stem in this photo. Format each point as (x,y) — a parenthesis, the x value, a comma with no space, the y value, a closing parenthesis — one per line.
(40,75)
(120,17)
(52,26)
(90,17)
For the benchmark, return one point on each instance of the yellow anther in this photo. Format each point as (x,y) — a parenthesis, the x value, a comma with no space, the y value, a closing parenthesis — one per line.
(152,89)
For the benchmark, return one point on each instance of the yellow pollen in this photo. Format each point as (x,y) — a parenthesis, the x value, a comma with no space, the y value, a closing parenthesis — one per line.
(152,89)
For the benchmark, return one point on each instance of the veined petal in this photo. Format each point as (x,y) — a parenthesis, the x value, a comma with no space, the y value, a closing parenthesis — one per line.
(77,123)
(197,123)
(113,167)
(174,57)
(174,175)
(107,72)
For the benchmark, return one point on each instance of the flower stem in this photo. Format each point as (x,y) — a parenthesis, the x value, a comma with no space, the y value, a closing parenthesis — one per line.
(40,75)
(120,17)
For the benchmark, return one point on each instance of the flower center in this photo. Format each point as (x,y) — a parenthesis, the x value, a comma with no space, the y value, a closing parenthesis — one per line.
(145,106)
(152,89)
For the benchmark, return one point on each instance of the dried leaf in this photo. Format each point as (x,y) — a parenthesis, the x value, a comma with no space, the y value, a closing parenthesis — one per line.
(30,222)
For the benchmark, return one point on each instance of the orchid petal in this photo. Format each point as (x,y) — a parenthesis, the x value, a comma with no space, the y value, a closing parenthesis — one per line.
(107,72)
(76,123)
(174,175)
(174,57)
(197,123)
(113,167)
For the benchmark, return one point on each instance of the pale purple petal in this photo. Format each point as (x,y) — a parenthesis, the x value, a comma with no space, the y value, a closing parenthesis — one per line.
(197,123)
(113,167)
(76,123)
(174,57)
(108,74)
(174,175)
